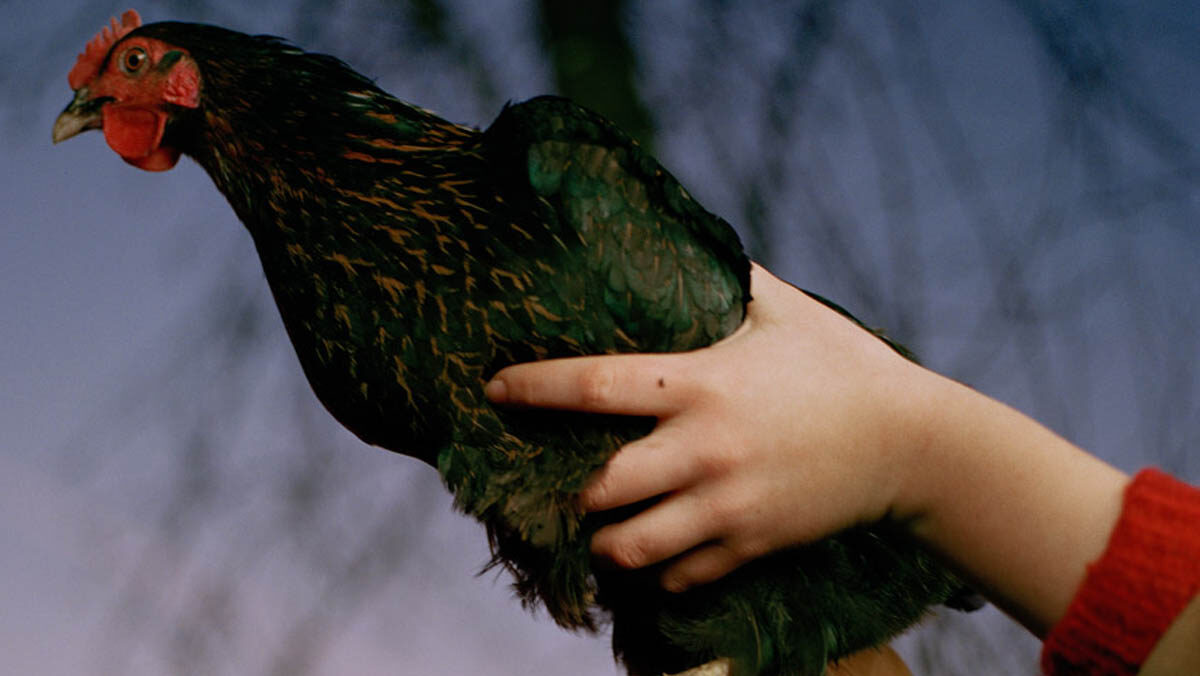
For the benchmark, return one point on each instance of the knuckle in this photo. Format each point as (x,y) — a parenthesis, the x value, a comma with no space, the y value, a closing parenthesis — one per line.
(727,512)
(746,549)
(596,386)
(678,581)
(654,445)
(719,460)
(719,513)
(628,553)
(702,567)
(704,387)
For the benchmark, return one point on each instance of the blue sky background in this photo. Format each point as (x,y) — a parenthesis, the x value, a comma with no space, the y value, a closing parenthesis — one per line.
(1009,187)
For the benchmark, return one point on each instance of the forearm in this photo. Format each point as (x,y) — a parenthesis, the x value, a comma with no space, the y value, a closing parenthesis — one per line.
(1018,509)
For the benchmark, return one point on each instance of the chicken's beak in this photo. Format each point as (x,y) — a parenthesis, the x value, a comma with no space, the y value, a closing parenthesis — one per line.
(82,114)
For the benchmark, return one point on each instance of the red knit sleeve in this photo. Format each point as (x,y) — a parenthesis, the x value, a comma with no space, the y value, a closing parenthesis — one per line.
(1146,576)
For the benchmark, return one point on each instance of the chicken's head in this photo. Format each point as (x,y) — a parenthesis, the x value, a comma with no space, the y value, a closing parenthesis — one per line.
(130,86)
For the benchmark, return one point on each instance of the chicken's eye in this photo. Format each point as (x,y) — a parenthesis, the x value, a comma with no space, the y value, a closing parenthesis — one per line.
(133,60)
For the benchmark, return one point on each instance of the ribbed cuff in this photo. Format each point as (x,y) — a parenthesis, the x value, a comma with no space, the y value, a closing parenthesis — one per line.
(1146,576)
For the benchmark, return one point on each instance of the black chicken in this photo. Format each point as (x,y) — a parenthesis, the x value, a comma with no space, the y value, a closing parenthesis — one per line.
(412,258)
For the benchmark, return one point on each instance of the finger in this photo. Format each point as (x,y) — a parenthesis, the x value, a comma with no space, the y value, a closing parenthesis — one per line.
(626,384)
(664,530)
(704,565)
(642,469)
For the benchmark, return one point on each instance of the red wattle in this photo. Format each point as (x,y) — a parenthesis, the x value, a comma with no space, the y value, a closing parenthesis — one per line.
(135,133)
(161,158)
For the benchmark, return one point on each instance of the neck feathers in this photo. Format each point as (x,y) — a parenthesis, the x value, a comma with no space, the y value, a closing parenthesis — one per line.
(279,128)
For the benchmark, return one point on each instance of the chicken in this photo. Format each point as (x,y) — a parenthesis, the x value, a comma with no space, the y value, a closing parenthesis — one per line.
(411,258)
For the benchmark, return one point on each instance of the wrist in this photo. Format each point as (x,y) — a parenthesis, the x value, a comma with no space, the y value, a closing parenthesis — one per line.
(920,442)
(1014,507)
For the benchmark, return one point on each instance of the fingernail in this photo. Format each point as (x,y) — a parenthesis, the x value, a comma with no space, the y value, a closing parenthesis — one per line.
(496,391)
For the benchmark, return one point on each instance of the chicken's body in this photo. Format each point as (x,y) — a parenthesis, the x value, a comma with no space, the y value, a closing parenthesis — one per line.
(412,258)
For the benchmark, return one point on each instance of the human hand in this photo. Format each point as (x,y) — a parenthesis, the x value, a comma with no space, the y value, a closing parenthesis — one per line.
(797,426)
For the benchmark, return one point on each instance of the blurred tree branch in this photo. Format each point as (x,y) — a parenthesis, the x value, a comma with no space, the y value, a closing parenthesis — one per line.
(594,63)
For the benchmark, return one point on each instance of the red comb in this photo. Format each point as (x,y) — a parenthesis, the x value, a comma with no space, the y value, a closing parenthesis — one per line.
(90,60)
